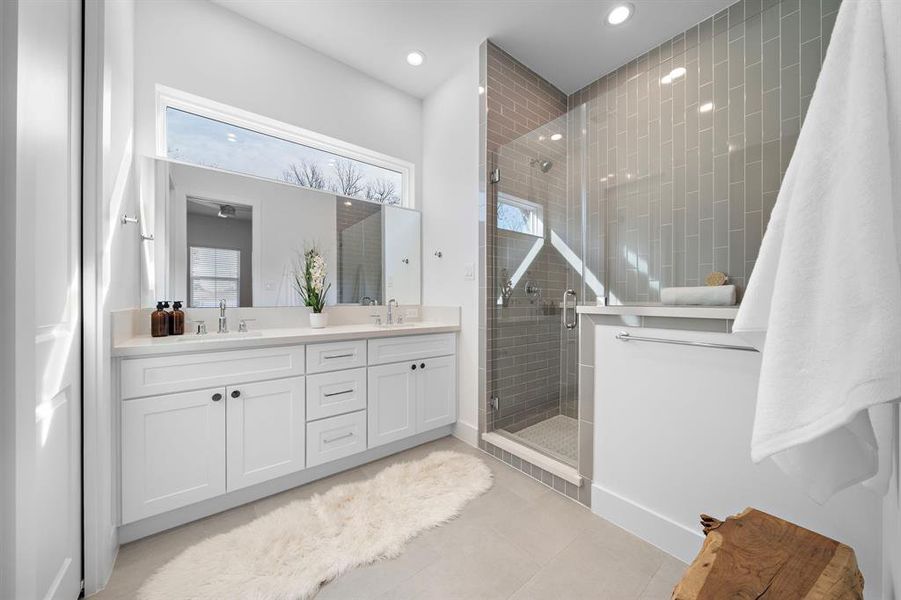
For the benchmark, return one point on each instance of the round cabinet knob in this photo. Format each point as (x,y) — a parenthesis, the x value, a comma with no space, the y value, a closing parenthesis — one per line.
(413,367)
(422,365)
(217,397)
(236,393)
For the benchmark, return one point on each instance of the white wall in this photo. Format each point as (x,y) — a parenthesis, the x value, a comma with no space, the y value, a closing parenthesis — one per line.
(673,440)
(111,266)
(207,50)
(450,220)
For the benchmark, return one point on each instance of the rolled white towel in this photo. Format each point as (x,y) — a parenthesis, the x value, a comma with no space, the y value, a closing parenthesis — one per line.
(718,295)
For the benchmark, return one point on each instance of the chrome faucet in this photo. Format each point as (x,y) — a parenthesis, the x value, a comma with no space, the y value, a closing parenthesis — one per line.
(223,322)
(389,319)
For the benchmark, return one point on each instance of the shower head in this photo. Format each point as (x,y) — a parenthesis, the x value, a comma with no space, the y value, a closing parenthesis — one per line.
(543,165)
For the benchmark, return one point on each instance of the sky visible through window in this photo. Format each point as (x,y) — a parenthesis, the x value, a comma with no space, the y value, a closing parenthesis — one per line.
(207,142)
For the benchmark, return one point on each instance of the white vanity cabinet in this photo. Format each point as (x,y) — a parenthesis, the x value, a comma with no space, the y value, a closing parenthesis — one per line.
(173,451)
(202,425)
(265,430)
(416,394)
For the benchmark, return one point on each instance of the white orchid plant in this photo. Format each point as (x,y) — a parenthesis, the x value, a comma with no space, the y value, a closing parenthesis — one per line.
(309,279)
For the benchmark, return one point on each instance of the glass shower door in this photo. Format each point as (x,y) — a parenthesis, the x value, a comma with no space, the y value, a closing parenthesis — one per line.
(536,278)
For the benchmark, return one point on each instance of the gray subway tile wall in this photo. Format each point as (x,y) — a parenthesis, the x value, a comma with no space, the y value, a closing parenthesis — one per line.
(683,173)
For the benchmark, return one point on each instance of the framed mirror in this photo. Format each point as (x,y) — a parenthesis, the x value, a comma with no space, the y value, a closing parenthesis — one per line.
(218,235)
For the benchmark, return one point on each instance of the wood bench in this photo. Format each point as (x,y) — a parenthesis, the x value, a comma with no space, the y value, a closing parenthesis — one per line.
(754,555)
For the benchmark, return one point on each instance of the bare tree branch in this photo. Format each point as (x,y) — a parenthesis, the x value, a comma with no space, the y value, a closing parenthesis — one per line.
(382,191)
(350,178)
(306,174)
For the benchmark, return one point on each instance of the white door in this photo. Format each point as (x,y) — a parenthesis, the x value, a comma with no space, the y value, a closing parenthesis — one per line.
(266,429)
(392,402)
(46,317)
(436,393)
(173,451)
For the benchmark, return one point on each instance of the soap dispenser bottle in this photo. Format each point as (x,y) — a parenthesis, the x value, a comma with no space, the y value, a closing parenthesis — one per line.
(177,319)
(159,321)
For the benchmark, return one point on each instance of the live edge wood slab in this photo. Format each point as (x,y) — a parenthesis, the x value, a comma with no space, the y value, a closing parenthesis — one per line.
(754,555)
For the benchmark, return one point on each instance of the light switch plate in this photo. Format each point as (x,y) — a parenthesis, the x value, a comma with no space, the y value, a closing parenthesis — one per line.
(469,271)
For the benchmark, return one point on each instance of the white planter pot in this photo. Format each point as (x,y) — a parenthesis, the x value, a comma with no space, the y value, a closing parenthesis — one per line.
(318,320)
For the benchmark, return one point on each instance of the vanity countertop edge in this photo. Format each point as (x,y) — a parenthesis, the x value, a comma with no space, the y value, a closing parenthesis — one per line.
(145,345)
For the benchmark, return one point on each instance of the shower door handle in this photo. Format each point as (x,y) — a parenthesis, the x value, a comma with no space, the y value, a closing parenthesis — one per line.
(566,321)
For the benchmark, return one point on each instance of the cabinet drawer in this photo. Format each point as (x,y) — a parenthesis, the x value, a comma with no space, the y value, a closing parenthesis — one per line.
(330,394)
(165,374)
(414,347)
(336,355)
(335,437)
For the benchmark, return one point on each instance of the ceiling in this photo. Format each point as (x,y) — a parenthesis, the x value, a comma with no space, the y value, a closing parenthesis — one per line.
(568,42)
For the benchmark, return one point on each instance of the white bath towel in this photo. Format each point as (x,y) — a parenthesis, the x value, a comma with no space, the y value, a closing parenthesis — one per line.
(824,300)
(701,295)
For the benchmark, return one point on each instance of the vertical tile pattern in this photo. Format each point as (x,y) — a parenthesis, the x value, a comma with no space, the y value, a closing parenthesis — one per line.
(682,171)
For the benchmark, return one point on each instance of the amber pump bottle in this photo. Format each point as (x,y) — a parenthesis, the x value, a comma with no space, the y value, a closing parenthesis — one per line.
(176,319)
(159,321)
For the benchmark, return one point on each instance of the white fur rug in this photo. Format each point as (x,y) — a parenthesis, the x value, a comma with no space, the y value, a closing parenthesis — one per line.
(288,553)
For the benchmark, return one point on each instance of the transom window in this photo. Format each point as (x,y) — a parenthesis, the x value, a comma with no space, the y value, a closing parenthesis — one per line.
(202,132)
(521,216)
(215,276)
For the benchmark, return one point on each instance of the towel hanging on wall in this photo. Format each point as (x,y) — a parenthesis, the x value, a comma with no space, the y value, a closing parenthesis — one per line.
(824,300)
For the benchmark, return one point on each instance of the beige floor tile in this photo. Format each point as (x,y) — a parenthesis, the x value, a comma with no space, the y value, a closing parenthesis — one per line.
(545,526)
(604,562)
(473,566)
(664,580)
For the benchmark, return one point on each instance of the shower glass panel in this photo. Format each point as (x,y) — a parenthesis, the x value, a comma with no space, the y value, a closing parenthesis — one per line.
(537,247)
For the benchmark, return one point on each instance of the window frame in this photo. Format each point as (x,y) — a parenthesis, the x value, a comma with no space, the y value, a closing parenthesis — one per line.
(167,97)
(536,211)
(191,277)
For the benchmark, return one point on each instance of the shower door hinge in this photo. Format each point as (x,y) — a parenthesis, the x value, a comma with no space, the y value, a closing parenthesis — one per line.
(495,176)
(494,403)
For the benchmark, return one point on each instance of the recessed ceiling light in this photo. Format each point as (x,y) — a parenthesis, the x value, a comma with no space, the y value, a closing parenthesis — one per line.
(706,107)
(673,75)
(557,137)
(231,137)
(619,14)
(415,58)
(348,203)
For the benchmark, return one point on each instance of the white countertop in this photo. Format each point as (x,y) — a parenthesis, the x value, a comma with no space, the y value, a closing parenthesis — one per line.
(650,310)
(145,345)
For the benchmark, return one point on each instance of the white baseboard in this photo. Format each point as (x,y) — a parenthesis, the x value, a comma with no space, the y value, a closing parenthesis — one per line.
(671,537)
(466,433)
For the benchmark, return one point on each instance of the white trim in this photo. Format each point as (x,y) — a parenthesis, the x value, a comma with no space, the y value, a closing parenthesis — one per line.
(654,528)
(166,97)
(466,433)
(98,446)
(538,459)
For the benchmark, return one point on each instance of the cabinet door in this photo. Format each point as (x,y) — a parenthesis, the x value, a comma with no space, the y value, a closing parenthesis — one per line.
(392,403)
(436,393)
(173,451)
(265,432)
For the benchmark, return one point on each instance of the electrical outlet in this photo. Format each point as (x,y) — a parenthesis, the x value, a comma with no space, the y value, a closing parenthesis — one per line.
(411,313)
(469,271)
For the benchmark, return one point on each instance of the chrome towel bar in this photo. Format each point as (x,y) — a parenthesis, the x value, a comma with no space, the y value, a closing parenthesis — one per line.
(626,337)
